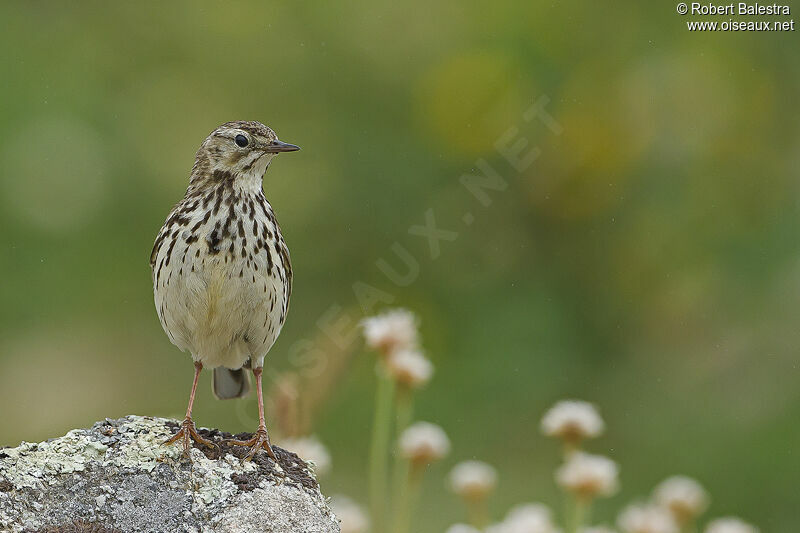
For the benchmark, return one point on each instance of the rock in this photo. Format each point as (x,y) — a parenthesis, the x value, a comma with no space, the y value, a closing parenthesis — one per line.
(117,476)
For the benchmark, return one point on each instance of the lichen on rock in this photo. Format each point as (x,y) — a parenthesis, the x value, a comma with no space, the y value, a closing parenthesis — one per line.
(117,476)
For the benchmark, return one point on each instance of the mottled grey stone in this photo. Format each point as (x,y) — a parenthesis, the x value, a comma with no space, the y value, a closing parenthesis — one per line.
(118,477)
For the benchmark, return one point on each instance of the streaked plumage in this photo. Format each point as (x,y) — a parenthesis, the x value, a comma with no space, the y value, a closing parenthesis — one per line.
(222,277)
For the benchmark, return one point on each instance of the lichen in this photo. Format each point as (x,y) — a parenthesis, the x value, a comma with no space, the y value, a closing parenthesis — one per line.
(31,464)
(143,439)
(119,475)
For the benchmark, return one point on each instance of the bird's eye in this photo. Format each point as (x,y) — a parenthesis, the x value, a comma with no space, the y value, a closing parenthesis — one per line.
(241,140)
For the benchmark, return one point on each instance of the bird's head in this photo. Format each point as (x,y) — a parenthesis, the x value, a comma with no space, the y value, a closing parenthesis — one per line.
(241,149)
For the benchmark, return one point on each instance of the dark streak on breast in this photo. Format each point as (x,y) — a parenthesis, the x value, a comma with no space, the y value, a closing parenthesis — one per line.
(218,202)
(213,241)
(269,260)
(169,251)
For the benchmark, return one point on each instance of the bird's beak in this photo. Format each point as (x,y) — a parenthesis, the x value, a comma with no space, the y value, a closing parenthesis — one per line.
(276,147)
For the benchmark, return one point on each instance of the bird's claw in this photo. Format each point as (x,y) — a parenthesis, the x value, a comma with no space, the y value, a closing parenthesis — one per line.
(188,433)
(259,440)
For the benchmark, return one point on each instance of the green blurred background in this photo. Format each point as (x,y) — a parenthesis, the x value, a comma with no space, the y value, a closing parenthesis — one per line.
(647,261)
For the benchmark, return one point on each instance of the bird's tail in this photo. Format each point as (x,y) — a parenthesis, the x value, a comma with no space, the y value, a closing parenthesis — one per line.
(228,384)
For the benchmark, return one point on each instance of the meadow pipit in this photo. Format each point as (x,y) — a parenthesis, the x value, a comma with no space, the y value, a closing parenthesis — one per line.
(221,271)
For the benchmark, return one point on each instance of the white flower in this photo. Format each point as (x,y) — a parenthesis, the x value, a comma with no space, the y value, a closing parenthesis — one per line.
(473,480)
(588,475)
(462,528)
(424,442)
(526,518)
(311,450)
(391,331)
(572,421)
(646,519)
(352,516)
(684,497)
(409,367)
(730,524)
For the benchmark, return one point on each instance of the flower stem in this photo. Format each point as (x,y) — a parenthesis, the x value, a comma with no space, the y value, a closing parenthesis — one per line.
(578,514)
(478,512)
(379,448)
(404,399)
(570,447)
(404,406)
(409,496)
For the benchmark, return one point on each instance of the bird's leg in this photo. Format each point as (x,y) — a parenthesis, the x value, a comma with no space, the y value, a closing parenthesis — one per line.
(188,431)
(261,438)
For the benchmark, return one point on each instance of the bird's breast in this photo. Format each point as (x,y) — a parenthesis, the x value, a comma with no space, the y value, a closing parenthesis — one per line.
(221,273)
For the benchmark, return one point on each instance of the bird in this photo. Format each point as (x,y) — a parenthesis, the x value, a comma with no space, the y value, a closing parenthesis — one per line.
(221,271)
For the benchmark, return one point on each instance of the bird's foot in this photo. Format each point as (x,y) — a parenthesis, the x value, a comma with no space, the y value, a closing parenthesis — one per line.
(260,439)
(187,434)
